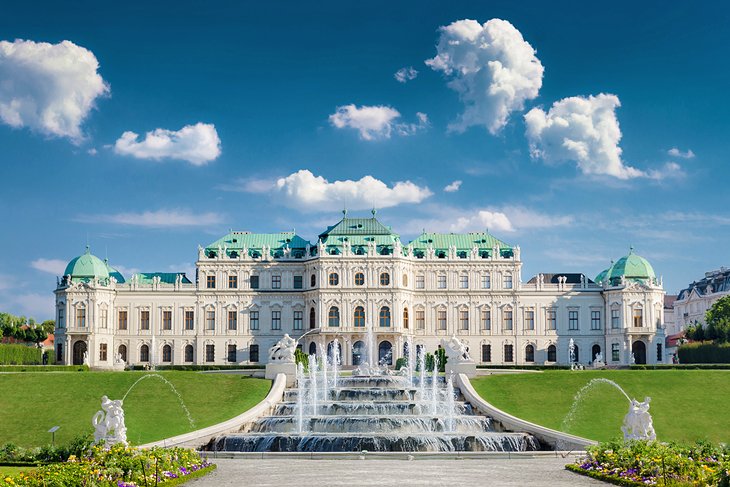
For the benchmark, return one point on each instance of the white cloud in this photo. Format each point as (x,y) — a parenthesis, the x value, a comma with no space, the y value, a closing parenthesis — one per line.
(198,144)
(50,88)
(482,219)
(670,170)
(92,151)
(159,218)
(51,266)
(249,185)
(453,187)
(304,190)
(493,69)
(583,130)
(375,122)
(674,152)
(404,75)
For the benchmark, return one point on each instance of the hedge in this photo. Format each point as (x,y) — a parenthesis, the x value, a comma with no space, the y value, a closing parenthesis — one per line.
(201,367)
(704,353)
(525,367)
(20,355)
(681,367)
(44,368)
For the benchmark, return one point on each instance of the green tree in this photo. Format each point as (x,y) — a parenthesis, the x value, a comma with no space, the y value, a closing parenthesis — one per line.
(718,320)
(48,326)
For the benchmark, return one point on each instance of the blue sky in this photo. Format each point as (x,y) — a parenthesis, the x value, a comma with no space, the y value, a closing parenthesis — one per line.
(264,111)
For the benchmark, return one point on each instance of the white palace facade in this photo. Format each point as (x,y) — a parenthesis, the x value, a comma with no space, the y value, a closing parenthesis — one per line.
(250,289)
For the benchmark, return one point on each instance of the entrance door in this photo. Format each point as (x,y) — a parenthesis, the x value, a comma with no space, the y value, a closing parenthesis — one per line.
(639,351)
(78,352)
(595,351)
(358,352)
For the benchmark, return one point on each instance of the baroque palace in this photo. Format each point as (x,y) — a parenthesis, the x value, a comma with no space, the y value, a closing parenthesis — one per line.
(250,289)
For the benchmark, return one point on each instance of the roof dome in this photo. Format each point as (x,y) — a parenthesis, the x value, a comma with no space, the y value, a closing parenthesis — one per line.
(87,266)
(114,273)
(632,266)
(602,275)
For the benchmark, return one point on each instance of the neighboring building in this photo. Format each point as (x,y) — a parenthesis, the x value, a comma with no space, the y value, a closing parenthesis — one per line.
(251,288)
(693,302)
(670,322)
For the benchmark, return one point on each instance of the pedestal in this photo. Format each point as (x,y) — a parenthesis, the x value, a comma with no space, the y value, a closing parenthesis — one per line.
(467,368)
(287,368)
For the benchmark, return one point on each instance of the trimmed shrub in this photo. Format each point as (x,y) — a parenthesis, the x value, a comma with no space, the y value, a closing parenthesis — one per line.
(20,355)
(704,353)
(44,368)
(201,367)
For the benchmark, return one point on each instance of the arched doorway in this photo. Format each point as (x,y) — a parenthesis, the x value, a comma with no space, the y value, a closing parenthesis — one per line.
(312,348)
(385,353)
(78,352)
(358,352)
(330,350)
(638,349)
(122,351)
(595,351)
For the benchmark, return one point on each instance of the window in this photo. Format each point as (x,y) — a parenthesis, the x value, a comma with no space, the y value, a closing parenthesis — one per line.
(313,280)
(359,279)
(486,353)
(384,279)
(405,280)
(486,319)
(573,320)
(104,318)
(486,281)
(420,319)
(81,317)
(442,281)
(253,282)
(384,317)
(144,353)
(59,352)
(122,320)
(312,318)
(61,318)
(253,319)
(210,320)
(232,281)
(464,319)
(464,281)
(359,317)
(210,282)
(253,353)
(122,350)
(102,352)
(188,353)
(405,318)
(529,353)
(167,320)
(298,320)
(298,282)
(615,352)
(529,320)
(552,355)
(276,282)
(420,281)
(334,279)
(441,319)
(551,319)
(659,352)
(233,320)
(509,353)
(333,318)
(638,317)
(144,320)
(189,320)
(232,353)
(508,281)
(507,318)
(595,320)
(210,352)
(167,353)
(614,319)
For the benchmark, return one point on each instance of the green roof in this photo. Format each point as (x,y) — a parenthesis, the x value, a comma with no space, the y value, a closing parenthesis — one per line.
(114,273)
(165,277)
(255,242)
(633,267)
(463,242)
(86,266)
(357,226)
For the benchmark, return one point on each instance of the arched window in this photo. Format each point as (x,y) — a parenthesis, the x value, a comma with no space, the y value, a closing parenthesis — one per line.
(334,279)
(334,316)
(122,351)
(405,318)
(385,316)
(313,280)
(576,354)
(253,353)
(144,353)
(384,279)
(552,354)
(405,280)
(595,351)
(188,353)
(358,352)
(359,279)
(167,353)
(312,348)
(312,317)
(359,317)
(529,353)
(385,353)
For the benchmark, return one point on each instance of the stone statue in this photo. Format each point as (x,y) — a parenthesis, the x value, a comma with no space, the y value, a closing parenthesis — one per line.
(118,360)
(283,351)
(456,350)
(638,424)
(109,423)
(86,358)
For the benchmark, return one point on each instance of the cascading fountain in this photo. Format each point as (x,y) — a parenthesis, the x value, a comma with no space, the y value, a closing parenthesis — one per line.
(434,385)
(313,391)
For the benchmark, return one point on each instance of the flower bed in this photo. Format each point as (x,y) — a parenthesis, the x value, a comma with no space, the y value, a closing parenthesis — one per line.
(119,466)
(653,463)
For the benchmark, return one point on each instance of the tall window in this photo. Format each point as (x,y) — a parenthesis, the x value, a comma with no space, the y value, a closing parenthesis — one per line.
(167,353)
(573,320)
(210,320)
(359,279)
(595,320)
(167,320)
(509,355)
(313,280)
(420,319)
(384,279)
(312,318)
(420,281)
(189,320)
(253,353)
(276,282)
(486,319)
(210,281)
(359,317)
(102,352)
(638,317)
(232,353)
(298,282)
(529,353)
(442,281)
(333,318)
(210,352)
(232,281)
(253,320)
(615,352)
(144,320)
(298,319)
(441,319)
(334,278)
(464,281)
(529,320)
(122,320)
(464,319)
(405,318)
(104,319)
(61,320)
(614,319)
(59,352)
(486,353)
(144,353)
(233,320)
(552,354)
(81,317)
(507,319)
(551,319)
(189,353)
(486,281)
(253,281)
(405,280)
(508,281)
(659,354)
(385,317)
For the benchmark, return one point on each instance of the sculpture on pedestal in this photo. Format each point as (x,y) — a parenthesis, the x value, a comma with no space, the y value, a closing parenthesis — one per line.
(456,350)
(283,351)
(108,423)
(638,424)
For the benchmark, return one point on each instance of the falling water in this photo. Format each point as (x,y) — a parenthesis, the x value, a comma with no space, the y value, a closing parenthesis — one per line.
(300,397)
(325,382)
(411,360)
(422,378)
(568,420)
(434,384)
(179,397)
(450,406)
(335,363)
(313,383)
(371,348)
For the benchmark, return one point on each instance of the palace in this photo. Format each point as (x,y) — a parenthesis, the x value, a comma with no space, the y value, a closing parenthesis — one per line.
(251,288)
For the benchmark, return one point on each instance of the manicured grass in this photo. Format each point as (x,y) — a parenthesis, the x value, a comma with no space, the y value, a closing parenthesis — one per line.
(687,405)
(31,403)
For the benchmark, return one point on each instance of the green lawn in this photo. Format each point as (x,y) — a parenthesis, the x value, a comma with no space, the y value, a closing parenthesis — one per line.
(11,471)
(686,405)
(31,403)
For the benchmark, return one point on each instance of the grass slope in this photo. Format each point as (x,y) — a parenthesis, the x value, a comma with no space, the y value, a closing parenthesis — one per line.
(31,403)
(686,405)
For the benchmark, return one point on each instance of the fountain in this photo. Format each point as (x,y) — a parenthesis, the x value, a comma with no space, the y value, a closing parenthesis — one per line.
(109,427)
(172,388)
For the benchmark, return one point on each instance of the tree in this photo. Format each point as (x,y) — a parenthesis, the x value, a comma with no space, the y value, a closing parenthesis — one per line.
(48,326)
(718,320)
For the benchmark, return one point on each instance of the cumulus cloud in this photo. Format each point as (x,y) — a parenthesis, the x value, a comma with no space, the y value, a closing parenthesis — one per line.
(156,219)
(674,152)
(453,187)
(197,144)
(375,122)
(303,190)
(584,130)
(404,75)
(49,88)
(51,266)
(491,66)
